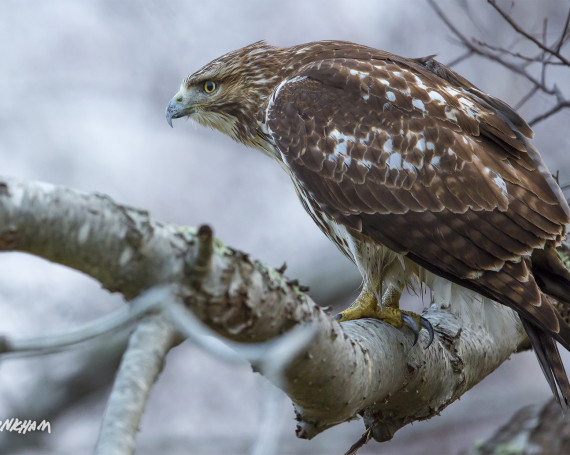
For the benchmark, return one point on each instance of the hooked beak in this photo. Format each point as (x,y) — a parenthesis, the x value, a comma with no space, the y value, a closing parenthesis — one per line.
(175,110)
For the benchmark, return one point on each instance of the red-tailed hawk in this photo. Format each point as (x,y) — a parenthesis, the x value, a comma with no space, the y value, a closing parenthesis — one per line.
(416,175)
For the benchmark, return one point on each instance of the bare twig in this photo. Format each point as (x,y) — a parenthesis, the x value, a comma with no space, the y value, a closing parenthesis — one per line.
(462,57)
(521,63)
(118,319)
(519,69)
(544,58)
(548,113)
(502,50)
(555,52)
(527,97)
(366,436)
(450,24)
(565,33)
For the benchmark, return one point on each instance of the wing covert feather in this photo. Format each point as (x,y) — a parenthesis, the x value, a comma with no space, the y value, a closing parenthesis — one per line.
(432,170)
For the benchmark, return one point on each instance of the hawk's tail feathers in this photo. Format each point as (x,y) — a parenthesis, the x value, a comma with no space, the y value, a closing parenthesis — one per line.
(549,359)
(553,278)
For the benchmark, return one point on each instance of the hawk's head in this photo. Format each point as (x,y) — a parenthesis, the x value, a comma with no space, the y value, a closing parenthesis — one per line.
(228,92)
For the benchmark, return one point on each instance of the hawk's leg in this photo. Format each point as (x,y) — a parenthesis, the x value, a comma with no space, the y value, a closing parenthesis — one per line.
(366,306)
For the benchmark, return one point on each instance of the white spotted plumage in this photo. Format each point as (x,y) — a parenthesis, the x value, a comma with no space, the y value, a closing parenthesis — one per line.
(404,164)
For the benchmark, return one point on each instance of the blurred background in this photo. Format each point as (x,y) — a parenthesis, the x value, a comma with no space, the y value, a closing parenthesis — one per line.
(83,89)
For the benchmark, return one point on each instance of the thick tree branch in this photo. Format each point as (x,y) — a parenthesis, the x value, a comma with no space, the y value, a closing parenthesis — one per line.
(356,368)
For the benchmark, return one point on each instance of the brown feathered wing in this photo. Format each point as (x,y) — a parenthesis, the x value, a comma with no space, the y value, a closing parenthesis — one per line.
(409,154)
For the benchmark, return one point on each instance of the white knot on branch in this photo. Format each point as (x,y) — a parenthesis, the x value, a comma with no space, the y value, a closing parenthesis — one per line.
(357,368)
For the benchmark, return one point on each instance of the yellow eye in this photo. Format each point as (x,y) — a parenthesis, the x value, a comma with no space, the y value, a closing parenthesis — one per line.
(209,86)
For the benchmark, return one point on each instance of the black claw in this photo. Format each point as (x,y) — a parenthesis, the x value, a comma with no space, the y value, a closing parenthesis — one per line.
(407,319)
(427,325)
(338,317)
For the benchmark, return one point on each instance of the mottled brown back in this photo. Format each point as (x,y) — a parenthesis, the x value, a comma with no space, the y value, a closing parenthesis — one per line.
(411,155)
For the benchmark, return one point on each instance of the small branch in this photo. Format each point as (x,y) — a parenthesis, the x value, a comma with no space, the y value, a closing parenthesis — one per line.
(142,362)
(366,436)
(501,50)
(525,98)
(450,25)
(497,55)
(544,58)
(555,52)
(479,51)
(461,58)
(54,343)
(548,113)
(564,34)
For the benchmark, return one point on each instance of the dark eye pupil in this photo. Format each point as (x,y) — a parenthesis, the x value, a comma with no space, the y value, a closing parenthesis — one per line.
(210,86)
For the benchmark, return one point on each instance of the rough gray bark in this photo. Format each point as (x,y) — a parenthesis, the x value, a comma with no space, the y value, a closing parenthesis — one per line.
(355,368)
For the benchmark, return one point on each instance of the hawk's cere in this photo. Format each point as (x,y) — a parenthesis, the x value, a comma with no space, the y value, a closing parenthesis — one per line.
(416,175)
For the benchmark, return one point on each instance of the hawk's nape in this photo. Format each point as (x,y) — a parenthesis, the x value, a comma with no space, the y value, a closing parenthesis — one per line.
(415,174)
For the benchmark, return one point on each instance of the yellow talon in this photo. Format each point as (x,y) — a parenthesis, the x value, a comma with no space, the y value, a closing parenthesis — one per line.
(366,306)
